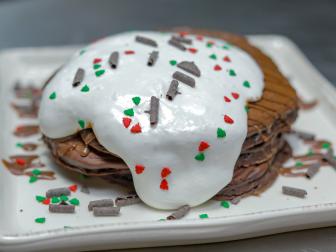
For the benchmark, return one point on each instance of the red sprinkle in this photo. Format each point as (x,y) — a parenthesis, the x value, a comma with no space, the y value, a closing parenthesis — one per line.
(183,33)
(227,99)
(73,188)
(129,52)
(136,128)
(235,95)
(20,161)
(192,50)
(139,169)
(97,60)
(227,59)
(203,146)
(127,121)
(46,201)
(199,37)
(165,172)
(228,119)
(164,185)
(217,68)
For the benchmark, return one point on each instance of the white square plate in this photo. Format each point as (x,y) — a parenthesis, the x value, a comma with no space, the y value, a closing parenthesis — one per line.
(138,225)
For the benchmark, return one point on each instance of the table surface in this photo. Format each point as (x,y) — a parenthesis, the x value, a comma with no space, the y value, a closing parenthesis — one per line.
(310,24)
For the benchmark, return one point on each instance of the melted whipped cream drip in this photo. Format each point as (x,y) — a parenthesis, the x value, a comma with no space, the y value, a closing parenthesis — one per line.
(190,154)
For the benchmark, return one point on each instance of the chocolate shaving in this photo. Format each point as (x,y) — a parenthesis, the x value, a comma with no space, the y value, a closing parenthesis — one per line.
(29,146)
(127,200)
(172,91)
(304,135)
(106,211)
(176,44)
(184,78)
(153,58)
(57,192)
(179,213)
(154,110)
(146,41)
(292,191)
(26,111)
(190,67)
(312,170)
(114,60)
(182,40)
(61,208)
(100,203)
(26,130)
(79,76)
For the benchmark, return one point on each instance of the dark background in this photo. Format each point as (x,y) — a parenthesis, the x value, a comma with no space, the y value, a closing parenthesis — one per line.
(310,24)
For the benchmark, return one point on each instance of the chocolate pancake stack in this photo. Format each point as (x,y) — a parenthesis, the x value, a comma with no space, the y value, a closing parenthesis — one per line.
(263,151)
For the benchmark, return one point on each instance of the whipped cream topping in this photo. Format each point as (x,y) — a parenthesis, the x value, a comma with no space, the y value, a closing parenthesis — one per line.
(190,153)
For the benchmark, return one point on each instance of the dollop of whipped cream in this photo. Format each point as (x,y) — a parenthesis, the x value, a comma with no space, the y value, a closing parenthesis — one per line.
(190,153)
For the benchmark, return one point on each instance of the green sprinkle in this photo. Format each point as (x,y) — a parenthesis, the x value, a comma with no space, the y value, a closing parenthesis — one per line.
(325,146)
(96,66)
(225,204)
(247,109)
(173,62)
(246,84)
(100,72)
(39,198)
(81,123)
(52,96)
(298,164)
(162,219)
(74,201)
(213,56)
(82,51)
(55,200)
(203,216)
(40,220)
(310,152)
(200,157)
(209,45)
(221,133)
(64,198)
(226,47)
(33,179)
(232,72)
(19,145)
(136,100)
(36,172)
(85,88)
(129,112)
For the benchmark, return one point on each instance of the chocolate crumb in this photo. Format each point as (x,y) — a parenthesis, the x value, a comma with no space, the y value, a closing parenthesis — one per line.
(106,211)
(153,58)
(100,203)
(154,110)
(79,76)
(182,40)
(312,170)
(190,67)
(177,44)
(57,192)
(292,191)
(146,41)
(172,91)
(114,60)
(179,213)
(184,78)
(61,208)
(127,200)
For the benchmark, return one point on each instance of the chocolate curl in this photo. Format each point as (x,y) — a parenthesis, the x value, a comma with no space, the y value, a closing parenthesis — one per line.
(154,110)
(79,76)
(330,158)
(172,91)
(61,208)
(312,170)
(182,40)
(184,78)
(146,41)
(304,135)
(127,200)
(57,192)
(106,211)
(100,203)
(292,191)
(153,58)
(190,67)
(177,44)
(114,60)
(179,213)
